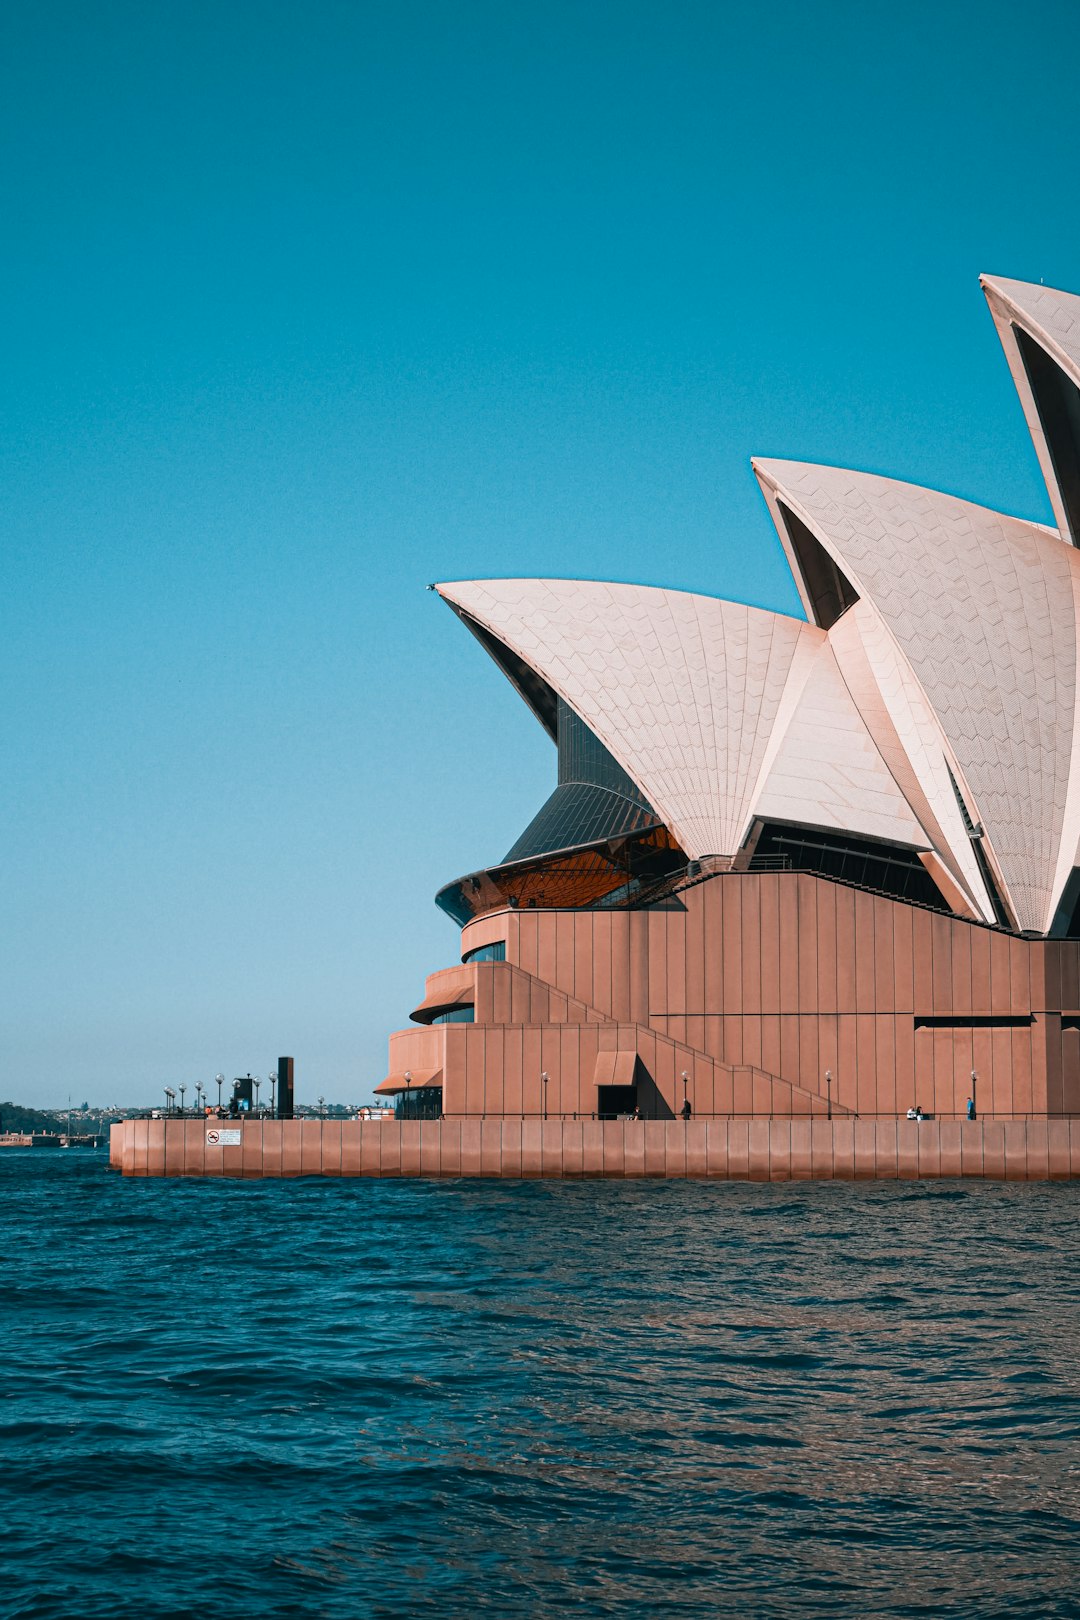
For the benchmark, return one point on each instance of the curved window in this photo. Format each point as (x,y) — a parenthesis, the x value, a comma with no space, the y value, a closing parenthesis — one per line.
(423,1103)
(495,952)
(455,1015)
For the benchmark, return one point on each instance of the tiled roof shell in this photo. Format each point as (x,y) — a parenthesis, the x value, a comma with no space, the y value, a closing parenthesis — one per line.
(952,676)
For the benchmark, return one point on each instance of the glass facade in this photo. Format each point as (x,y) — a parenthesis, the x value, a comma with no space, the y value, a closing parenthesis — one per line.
(885,868)
(423,1103)
(594,799)
(456,1015)
(495,952)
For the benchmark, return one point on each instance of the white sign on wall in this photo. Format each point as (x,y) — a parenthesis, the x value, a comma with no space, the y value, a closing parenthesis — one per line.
(223,1138)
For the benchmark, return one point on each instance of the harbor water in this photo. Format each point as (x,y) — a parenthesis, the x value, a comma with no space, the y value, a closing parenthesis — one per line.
(606,1398)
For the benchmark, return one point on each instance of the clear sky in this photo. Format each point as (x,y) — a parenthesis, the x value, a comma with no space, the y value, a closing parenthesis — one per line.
(305,305)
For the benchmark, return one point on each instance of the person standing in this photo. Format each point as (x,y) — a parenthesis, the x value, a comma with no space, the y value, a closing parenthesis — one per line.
(971,1108)
(686,1108)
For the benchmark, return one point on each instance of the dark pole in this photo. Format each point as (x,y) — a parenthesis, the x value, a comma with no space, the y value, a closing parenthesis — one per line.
(544,1078)
(974,1099)
(273,1096)
(685,1083)
(828,1094)
(220,1078)
(408,1083)
(182,1090)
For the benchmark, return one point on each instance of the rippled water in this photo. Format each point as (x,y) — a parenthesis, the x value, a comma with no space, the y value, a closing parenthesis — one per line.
(369,1398)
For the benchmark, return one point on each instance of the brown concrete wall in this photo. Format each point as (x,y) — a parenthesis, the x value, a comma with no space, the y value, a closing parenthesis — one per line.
(720,1149)
(787,974)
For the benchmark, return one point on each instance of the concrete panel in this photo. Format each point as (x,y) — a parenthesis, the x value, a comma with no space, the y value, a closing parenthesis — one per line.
(865,1157)
(352,1135)
(291,1130)
(654,1142)
(801,1162)
(271,1148)
(949,1138)
(331,1147)
(532,1147)
(780,1150)
(971,1148)
(1038,1158)
(511,1148)
(592,1148)
(1015,1141)
(738,1149)
(695,1153)
(434,1135)
(1058,1150)
(843,1149)
(907,1149)
(757,1149)
(929,1148)
(821,1149)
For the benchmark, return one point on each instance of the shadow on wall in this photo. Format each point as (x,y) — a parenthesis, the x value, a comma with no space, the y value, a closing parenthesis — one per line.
(651,1101)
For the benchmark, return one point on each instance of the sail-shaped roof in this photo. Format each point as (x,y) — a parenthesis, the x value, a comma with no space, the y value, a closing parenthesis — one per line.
(1039,329)
(718,712)
(982,607)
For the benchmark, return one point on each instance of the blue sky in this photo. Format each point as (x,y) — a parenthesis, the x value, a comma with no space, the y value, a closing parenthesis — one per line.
(307,305)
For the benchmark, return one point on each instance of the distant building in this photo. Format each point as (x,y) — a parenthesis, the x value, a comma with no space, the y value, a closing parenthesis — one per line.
(794,866)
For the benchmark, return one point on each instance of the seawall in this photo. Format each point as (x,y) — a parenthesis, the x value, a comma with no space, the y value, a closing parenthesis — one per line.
(714,1149)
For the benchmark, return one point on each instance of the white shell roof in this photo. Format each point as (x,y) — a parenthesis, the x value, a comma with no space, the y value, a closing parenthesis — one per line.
(955,672)
(982,607)
(714,709)
(1052,318)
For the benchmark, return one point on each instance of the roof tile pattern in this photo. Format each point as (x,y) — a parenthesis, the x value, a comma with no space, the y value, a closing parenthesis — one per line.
(828,772)
(1052,319)
(1047,314)
(717,711)
(982,607)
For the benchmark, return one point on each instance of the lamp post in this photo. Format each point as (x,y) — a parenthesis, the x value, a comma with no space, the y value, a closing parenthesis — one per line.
(408,1083)
(685,1099)
(170,1098)
(322,1107)
(199,1096)
(273,1094)
(828,1094)
(544,1079)
(182,1090)
(974,1099)
(258,1083)
(220,1078)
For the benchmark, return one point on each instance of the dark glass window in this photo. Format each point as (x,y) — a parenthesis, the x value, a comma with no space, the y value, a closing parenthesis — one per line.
(1057,400)
(595,799)
(456,1015)
(495,952)
(886,868)
(830,592)
(423,1103)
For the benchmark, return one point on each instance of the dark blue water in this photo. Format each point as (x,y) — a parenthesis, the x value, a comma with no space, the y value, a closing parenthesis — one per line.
(393,1399)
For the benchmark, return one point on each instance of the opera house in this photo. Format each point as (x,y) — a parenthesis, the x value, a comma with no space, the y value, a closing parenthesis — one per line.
(793,867)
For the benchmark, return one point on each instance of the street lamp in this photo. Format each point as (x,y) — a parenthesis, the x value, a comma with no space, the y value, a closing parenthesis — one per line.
(544,1078)
(828,1094)
(322,1107)
(182,1090)
(273,1094)
(408,1083)
(170,1098)
(974,1083)
(199,1096)
(258,1083)
(685,1099)
(220,1078)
